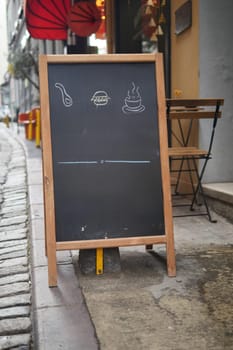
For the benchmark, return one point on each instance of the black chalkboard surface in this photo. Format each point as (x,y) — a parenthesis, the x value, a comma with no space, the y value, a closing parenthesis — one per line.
(106,153)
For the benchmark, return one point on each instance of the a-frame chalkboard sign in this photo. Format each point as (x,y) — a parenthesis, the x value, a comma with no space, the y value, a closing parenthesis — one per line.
(105,154)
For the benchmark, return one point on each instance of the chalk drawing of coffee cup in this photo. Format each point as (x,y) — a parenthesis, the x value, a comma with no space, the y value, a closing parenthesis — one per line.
(133,101)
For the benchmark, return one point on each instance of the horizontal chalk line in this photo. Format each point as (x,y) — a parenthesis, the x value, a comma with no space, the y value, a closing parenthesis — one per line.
(106,161)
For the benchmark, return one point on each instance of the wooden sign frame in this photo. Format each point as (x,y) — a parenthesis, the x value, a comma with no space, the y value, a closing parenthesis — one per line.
(48,182)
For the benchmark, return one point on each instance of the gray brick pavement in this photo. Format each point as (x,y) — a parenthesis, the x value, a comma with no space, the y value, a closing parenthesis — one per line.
(15,281)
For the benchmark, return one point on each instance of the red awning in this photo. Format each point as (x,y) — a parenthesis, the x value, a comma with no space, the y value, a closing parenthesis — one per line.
(47,19)
(84,18)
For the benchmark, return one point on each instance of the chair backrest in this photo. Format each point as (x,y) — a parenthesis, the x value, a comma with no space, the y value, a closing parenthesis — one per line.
(193,109)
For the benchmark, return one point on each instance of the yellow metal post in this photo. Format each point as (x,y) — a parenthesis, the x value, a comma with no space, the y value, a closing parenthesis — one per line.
(37,128)
(99,261)
(6,120)
(30,126)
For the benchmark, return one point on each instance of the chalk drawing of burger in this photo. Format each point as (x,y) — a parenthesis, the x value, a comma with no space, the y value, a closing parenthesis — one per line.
(100,98)
(133,101)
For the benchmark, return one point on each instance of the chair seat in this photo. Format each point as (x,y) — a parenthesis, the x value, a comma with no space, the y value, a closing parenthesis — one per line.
(186,152)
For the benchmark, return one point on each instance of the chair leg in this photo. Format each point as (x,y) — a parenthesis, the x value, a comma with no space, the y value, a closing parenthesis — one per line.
(179,171)
(190,170)
(200,189)
(195,171)
(199,179)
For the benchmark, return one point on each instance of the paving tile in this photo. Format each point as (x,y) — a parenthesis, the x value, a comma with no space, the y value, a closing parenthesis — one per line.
(37,229)
(12,243)
(13,227)
(13,234)
(15,300)
(67,293)
(17,220)
(12,248)
(14,288)
(65,327)
(18,341)
(15,325)
(35,177)
(10,203)
(20,277)
(11,262)
(36,196)
(37,211)
(35,163)
(14,254)
(12,312)
(13,270)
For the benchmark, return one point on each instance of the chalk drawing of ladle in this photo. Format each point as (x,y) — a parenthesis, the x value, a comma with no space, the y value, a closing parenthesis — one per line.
(66,99)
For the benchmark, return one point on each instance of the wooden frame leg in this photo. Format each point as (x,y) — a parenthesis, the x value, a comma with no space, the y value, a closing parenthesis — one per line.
(171,259)
(52,264)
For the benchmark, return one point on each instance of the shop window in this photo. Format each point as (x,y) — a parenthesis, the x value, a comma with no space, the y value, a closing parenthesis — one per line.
(140,25)
(97,42)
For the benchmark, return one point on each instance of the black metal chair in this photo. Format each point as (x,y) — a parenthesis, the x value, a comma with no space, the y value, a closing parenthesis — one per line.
(187,154)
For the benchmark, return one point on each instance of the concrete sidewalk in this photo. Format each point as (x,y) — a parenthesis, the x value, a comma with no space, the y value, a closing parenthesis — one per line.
(140,307)
(61,319)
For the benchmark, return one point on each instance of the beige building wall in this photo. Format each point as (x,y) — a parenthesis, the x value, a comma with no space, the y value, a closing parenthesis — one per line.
(185,55)
(185,73)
